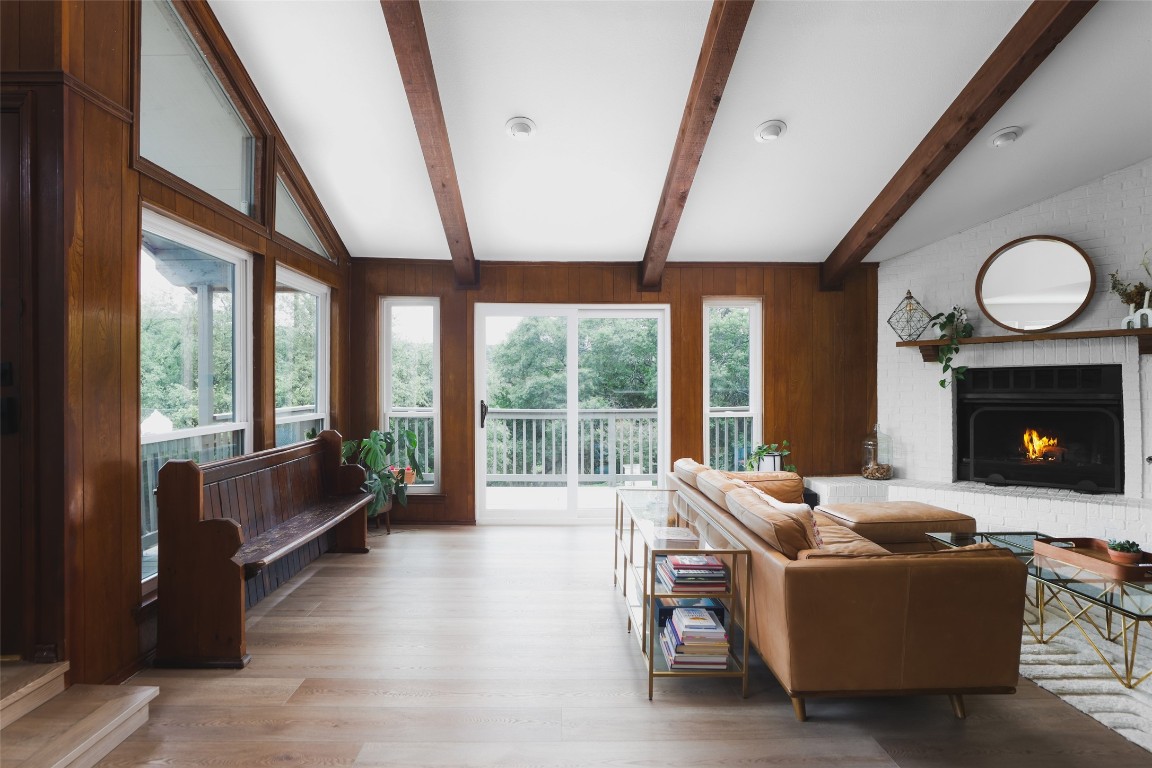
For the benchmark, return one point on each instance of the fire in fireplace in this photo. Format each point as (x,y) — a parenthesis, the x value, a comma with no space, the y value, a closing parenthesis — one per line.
(1058,427)
(1038,448)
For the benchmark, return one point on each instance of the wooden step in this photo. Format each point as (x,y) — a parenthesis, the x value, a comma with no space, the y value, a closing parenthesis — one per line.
(25,686)
(76,728)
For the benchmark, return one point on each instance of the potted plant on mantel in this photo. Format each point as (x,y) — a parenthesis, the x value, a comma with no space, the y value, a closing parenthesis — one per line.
(953,326)
(769,457)
(387,475)
(1126,552)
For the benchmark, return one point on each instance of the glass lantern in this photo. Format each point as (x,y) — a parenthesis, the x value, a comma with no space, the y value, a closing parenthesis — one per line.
(871,468)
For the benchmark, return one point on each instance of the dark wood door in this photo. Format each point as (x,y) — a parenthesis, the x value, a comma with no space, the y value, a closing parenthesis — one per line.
(12,583)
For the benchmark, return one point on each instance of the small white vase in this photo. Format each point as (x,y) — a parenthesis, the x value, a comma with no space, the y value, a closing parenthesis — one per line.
(1129,322)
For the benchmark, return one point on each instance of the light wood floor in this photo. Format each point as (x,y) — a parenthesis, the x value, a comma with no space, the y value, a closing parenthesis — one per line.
(506,648)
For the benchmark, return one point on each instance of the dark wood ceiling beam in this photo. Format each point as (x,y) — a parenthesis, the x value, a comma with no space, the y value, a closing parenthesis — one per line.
(1035,35)
(717,53)
(410,43)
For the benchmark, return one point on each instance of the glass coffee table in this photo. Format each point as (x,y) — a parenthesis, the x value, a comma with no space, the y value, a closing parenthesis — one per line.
(1075,597)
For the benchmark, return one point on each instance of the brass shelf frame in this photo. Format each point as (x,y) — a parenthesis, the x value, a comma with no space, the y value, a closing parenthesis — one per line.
(634,568)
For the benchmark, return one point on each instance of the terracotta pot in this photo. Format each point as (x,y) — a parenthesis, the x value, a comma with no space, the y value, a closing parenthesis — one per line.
(1127,558)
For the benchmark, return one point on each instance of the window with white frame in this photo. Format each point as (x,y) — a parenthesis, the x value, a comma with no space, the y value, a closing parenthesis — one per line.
(302,360)
(195,359)
(732,381)
(410,378)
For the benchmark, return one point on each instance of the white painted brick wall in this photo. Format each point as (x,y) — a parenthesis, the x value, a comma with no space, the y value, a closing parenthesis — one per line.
(1111,219)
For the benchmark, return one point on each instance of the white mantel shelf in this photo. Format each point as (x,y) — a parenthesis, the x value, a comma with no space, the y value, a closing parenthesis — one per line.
(929,348)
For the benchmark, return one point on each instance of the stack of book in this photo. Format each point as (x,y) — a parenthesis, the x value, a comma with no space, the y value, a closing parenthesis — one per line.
(691,573)
(665,606)
(694,639)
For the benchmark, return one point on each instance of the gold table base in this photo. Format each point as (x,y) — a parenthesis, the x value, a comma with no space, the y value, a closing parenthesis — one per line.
(1077,614)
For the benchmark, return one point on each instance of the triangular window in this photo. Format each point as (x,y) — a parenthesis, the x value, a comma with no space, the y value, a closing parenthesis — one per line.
(291,223)
(188,123)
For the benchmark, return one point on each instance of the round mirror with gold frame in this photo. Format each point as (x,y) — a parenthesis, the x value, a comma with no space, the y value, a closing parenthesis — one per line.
(1035,284)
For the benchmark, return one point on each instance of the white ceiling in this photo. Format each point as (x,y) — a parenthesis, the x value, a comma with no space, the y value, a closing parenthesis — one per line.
(858,83)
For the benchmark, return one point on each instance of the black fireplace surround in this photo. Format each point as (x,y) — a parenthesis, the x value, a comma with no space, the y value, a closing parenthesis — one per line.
(1051,426)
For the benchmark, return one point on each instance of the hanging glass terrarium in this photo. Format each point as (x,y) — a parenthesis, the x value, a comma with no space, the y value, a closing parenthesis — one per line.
(909,319)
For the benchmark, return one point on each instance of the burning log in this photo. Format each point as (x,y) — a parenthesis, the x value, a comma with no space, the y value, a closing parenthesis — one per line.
(1042,448)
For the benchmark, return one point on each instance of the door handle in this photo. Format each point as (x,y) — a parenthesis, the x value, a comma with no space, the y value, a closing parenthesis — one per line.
(483,413)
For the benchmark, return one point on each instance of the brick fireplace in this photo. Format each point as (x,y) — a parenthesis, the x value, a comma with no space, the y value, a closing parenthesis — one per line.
(1111,219)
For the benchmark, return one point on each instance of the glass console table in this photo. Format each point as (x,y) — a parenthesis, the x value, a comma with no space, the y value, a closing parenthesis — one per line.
(1065,595)
(639,513)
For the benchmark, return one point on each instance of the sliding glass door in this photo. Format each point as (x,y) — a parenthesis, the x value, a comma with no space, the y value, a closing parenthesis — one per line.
(573,403)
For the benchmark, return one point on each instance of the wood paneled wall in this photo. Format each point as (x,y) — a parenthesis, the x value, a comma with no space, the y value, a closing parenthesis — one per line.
(71,64)
(819,354)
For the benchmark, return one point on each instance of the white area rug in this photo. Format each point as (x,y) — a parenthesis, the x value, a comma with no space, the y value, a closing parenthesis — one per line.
(1068,667)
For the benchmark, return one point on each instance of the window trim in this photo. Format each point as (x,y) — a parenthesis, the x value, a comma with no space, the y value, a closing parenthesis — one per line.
(242,396)
(755,367)
(323,292)
(242,377)
(385,372)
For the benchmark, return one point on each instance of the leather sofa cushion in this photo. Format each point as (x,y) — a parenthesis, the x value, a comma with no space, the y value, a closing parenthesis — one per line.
(715,485)
(982,549)
(783,506)
(785,486)
(897,521)
(835,538)
(786,532)
(687,470)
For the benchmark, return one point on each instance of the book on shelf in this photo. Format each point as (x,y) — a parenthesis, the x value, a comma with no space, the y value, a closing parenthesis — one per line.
(694,647)
(699,562)
(696,618)
(671,537)
(665,606)
(682,661)
(672,588)
(698,625)
(702,581)
(697,574)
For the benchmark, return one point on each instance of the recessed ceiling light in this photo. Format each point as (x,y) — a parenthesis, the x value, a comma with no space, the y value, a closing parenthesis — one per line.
(770,131)
(520,128)
(1005,136)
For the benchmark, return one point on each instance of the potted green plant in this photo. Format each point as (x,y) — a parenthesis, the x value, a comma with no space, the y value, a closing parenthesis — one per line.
(952,326)
(1127,552)
(390,464)
(769,457)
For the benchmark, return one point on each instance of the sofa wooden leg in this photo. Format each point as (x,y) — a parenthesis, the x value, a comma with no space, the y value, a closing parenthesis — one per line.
(957,705)
(798,708)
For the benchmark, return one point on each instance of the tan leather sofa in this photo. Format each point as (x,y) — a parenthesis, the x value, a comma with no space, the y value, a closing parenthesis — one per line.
(849,618)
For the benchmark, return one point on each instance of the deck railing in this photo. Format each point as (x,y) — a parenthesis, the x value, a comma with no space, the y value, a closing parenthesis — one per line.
(530,447)
(730,440)
(201,448)
(425,429)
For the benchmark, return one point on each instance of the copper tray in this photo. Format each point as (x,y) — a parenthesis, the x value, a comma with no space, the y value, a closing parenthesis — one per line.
(1092,555)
